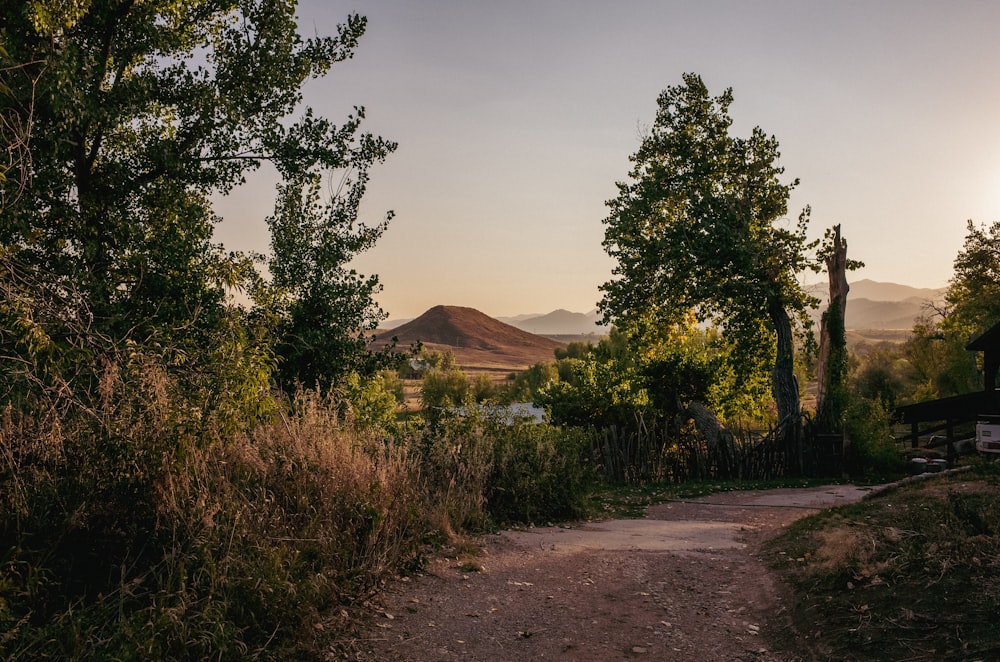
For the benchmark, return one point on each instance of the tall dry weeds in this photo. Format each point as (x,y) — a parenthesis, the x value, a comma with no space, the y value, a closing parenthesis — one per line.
(147,514)
(133,529)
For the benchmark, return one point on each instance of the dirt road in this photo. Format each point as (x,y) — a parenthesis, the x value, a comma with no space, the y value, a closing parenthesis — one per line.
(682,584)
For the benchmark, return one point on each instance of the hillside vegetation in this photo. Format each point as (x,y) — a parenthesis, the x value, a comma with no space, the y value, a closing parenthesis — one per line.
(913,574)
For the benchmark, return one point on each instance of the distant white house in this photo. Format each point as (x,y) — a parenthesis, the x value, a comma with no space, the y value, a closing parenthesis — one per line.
(517,412)
(523,411)
(418,366)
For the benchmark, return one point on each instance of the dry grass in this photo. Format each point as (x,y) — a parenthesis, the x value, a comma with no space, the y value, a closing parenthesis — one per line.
(909,575)
(136,532)
(154,524)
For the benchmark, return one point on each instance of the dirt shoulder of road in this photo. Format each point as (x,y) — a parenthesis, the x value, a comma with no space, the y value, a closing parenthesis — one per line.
(684,583)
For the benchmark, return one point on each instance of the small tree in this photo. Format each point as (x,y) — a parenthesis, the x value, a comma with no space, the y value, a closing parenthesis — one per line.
(937,363)
(444,389)
(328,310)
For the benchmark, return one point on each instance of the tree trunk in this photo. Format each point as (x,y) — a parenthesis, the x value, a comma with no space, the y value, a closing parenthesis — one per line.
(831,372)
(721,444)
(785,387)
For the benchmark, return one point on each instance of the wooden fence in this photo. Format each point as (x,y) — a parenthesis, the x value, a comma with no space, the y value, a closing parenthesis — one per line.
(655,453)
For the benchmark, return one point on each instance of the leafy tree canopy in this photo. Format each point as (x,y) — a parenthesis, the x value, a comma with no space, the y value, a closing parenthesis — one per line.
(701,227)
(934,362)
(652,374)
(138,113)
(974,291)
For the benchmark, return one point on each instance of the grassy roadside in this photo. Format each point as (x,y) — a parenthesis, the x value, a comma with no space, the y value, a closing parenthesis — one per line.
(910,575)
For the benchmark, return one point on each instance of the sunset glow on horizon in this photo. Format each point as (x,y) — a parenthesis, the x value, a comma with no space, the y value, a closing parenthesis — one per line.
(514,121)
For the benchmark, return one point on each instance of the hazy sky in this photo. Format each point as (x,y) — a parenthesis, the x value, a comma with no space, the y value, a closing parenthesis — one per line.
(515,119)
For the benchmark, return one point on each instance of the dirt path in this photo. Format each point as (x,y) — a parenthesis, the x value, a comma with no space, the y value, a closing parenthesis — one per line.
(684,583)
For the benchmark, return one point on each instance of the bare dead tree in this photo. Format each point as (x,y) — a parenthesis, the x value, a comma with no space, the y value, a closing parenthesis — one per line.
(832,366)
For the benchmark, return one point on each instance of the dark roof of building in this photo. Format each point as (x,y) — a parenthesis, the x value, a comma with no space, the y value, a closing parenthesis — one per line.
(959,407)
(989,339)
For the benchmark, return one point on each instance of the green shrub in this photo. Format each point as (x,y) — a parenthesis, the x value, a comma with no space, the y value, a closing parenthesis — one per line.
(372,402)
(871,448)
(540,473)
(165,518)
(456,462)
(482,471)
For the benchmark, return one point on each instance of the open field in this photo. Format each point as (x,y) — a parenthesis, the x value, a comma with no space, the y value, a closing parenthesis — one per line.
(857,337)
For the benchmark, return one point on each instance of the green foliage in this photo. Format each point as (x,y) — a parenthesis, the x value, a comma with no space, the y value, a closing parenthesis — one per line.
(138,114)
(698,229)
(644,372)
(833,358)
(686,364)
(878,375)
(934,363)
(445,385)
(133,531)
(937,365)
(444,389)
(482,388)
(541,473)
(457,457)
(830,417)
(525,384)
(871,447)
(574,350)
(605,387)
(160,501)
(974,291)
(443,361)
(15,131)
(373,402)
(482,471)
(599,393)
(329,308)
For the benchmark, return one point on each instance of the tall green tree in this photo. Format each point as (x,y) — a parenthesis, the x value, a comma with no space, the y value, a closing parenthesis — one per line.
(701,227)
(140,112)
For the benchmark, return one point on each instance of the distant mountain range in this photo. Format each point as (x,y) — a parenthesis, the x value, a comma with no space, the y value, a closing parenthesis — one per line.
(876,291)
(875,305)
(559,323)
(870,305)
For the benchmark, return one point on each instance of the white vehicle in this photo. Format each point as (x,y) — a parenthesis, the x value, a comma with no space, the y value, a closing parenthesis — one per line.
(988,434)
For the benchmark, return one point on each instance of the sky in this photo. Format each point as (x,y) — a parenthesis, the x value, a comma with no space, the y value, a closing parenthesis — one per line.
(515,119)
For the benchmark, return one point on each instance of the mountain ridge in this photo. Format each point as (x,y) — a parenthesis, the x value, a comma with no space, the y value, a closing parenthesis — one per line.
(871,305)
(476,339)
